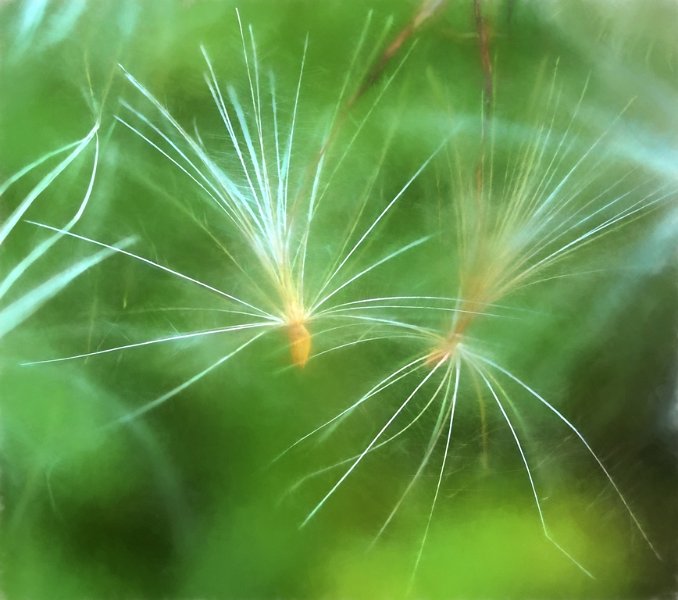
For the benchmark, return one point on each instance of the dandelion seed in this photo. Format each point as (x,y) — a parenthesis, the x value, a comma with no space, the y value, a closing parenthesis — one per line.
(513,225)
(268,204)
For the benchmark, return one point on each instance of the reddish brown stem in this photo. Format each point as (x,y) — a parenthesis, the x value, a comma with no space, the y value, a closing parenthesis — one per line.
(427,9)
(486,61)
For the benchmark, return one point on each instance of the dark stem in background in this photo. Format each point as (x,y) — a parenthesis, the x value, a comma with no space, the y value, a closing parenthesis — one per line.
(426,11)
(486,61)
(483,33)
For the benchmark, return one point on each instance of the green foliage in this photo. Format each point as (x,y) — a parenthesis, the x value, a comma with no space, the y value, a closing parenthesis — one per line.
(487,211)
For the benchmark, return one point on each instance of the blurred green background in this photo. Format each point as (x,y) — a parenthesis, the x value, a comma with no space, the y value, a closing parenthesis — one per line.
(184,502)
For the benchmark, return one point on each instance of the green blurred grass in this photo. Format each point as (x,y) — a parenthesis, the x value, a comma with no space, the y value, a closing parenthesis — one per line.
(184,502)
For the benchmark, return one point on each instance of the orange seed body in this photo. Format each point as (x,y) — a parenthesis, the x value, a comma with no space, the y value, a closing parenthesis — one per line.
(300,343)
